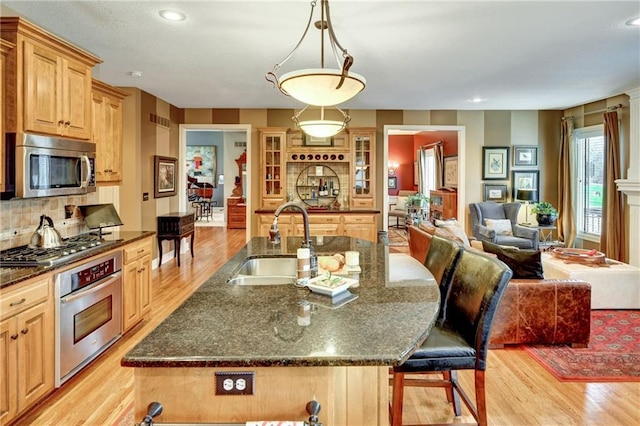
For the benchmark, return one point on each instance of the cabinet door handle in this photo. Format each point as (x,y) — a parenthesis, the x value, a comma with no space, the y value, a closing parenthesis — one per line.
(14,336)
(60,121)
(67,123)
(24,331)
(18,303)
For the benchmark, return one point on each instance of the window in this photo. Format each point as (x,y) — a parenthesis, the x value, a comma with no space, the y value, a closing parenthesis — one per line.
(588,172)
(429,170)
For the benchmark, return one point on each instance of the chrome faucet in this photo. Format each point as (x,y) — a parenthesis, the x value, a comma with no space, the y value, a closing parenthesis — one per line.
(274,233)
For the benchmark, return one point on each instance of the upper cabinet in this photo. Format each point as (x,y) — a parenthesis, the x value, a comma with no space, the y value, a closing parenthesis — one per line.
(48,90)
(363,149)
(5,48)
(272,167)
(106,107)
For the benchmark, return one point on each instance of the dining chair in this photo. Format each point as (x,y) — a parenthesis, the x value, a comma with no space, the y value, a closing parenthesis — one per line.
(442,258)
(460,342)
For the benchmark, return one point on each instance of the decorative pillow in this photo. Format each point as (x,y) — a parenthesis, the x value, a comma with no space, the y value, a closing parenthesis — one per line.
(401,203)
(451,229)
(427,227)
(453,233)
(525,264)
(501,226)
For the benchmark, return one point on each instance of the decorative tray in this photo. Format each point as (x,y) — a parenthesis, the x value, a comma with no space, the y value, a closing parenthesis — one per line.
(330,284)
(574,255)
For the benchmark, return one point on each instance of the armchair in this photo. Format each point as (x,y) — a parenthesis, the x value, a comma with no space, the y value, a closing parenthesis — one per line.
(522,236)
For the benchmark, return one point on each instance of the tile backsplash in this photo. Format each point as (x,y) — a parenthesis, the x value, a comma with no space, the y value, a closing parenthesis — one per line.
(19,218)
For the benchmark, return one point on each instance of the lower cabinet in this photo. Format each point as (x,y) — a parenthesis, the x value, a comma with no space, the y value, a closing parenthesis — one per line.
(136,283)
(26,346)
(360,225)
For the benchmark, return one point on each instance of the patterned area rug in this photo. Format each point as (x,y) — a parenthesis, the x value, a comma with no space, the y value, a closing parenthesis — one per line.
(398,237)
(613,353)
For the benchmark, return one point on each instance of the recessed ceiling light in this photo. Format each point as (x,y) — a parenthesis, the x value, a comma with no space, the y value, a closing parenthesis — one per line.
(172,15)
(476,100)
(135,74)
(635,22)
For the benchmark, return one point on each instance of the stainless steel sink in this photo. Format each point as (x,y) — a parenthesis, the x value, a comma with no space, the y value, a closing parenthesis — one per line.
(266,271)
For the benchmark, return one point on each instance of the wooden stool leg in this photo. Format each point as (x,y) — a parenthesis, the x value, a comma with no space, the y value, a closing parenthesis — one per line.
(397,397)
(481,403)
(193,234)
(452,394)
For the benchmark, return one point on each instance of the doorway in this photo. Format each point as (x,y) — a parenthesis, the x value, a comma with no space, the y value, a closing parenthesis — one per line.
(230,169)
(412,130)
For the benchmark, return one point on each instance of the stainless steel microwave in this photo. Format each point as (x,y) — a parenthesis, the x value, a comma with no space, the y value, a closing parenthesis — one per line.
(47,166)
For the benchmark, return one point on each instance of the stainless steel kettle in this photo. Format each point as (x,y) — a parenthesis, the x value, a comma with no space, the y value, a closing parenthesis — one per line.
(45,236)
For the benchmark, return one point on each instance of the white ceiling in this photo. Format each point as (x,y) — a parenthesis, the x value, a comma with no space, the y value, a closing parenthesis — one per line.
(414,54)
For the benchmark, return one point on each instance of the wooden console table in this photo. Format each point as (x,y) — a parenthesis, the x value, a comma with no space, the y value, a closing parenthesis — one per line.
(175,226)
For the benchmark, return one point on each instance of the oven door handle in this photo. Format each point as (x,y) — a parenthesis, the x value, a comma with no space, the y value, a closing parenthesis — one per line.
(91,289)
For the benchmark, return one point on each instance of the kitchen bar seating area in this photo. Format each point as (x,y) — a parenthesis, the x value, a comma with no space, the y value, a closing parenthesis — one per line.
(106,387)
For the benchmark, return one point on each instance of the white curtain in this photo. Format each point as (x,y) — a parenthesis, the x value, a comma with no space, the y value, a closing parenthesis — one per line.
(429,168)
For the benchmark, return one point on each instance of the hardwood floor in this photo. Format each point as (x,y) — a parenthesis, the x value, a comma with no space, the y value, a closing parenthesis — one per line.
(519,391)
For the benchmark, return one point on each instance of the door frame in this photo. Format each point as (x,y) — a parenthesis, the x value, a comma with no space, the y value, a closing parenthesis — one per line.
(182,183)
(414,129)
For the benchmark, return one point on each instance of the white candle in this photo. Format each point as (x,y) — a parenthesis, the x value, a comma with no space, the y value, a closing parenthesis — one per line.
(352,258)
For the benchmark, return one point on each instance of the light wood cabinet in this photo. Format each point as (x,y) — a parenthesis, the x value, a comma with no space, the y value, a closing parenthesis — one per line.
(272,167)
(106,113)
(136,283)
(363,149)
(356,225)
(26,346)
(5,48)
(49,91)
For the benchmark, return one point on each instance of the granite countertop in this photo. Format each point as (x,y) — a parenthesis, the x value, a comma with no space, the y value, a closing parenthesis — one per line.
(11,276)
(224,325)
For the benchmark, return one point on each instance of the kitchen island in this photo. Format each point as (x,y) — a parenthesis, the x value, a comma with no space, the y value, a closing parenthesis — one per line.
(341,358)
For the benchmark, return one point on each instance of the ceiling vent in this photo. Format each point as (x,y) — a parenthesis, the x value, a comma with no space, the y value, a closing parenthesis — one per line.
(240,144)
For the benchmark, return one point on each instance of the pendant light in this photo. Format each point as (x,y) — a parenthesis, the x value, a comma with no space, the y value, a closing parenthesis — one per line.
(321,128)
(320,86)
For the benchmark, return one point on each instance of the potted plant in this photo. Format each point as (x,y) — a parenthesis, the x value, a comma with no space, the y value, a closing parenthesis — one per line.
(418,200)
(545,213)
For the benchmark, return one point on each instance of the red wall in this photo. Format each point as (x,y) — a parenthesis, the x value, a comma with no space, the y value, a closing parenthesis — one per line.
(401,151)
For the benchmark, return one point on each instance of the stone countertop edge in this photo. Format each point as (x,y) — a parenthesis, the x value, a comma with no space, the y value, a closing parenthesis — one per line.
(223,325)
(12,276)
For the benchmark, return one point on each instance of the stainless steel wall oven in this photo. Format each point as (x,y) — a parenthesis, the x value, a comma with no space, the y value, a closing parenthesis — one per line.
(88,313)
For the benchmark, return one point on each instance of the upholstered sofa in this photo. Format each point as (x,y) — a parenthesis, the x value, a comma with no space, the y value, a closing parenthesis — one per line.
(532,311)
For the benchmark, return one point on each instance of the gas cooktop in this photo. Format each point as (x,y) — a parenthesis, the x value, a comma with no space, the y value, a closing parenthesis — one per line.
(72,248)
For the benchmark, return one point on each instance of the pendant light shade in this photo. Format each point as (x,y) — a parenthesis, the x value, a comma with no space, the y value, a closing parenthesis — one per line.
(320,86)
(321,128)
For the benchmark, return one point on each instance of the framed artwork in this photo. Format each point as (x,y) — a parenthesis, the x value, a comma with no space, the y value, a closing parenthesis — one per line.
(524,179)
(393,182)
(202,163)
(317,141)
(164,176)
(495,163)
(495,192)
(525,156)
(451,171)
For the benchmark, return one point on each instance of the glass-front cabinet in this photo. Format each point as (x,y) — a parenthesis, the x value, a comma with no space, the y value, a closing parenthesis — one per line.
(272,167)
(363,168)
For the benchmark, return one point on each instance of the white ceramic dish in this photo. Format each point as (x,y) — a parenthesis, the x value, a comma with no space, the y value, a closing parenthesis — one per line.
(330,285)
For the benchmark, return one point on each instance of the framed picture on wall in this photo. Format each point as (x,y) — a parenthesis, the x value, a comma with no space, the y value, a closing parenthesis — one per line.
(525,156)
(524,179)
(164,176)
(495,192)
(495,163)
(451,171)
(393,182)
